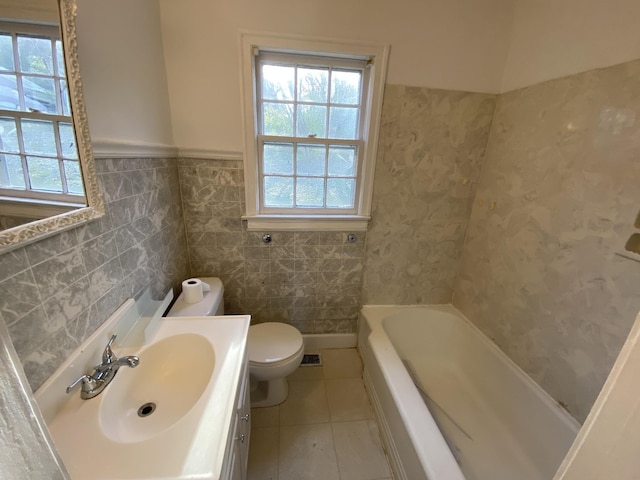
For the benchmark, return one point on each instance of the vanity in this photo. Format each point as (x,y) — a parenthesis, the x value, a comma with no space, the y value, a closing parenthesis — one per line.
(181,411)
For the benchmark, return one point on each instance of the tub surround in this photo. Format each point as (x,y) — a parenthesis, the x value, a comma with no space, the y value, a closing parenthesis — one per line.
(54,293)
(430,154)
(539,273)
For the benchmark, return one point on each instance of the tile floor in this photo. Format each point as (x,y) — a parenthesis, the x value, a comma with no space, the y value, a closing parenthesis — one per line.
(325,430)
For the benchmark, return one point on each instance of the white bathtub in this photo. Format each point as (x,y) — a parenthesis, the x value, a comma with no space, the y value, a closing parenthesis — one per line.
(500,423)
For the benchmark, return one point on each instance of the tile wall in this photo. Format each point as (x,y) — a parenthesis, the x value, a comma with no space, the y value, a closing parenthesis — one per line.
(430,154)
(308,279)
(54,293)
(557,200)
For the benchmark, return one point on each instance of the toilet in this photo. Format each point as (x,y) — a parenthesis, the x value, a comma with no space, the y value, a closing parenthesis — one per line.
(274,349)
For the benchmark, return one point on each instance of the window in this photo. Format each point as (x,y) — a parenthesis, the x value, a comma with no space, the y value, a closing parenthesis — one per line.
(38,154)
(311,132)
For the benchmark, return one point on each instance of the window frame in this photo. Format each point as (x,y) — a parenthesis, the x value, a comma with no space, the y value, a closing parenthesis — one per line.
(57,202)
(376,55)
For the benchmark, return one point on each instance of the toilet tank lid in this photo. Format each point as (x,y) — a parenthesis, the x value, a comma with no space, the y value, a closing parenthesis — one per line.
(207,306)
(272,342)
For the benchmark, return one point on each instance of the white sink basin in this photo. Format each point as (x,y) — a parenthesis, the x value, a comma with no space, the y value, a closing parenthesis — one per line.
(189,371)
(172,376)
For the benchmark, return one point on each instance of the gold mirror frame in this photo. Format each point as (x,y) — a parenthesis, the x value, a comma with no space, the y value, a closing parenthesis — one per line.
(39,229)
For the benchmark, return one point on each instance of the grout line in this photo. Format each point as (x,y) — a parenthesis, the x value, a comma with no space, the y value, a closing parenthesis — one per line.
(335,452)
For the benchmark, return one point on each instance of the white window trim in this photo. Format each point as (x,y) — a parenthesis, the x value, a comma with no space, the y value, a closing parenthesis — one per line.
(252,42)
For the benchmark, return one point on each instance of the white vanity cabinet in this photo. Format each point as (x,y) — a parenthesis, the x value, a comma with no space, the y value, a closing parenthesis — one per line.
(237,451)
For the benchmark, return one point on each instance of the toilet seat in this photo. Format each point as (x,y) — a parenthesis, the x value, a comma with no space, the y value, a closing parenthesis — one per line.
(273,342)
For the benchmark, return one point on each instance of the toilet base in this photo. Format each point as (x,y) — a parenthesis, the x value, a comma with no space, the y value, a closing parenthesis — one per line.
(268,393)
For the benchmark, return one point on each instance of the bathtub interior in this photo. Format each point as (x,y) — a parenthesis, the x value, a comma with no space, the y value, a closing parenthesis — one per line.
(498,422)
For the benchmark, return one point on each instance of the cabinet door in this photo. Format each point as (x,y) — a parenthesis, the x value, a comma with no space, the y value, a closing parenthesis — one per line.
(244,427)
(236,467)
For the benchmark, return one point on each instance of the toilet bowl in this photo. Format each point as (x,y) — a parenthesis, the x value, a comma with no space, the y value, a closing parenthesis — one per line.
(274,349)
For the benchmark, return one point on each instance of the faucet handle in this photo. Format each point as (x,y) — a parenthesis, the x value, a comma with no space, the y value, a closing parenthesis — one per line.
(108,356)
(88,383)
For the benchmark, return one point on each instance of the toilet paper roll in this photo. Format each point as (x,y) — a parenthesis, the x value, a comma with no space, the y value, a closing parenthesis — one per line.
(193,290)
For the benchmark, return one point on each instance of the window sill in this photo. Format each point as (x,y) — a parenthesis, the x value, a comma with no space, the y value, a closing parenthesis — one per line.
(307,222)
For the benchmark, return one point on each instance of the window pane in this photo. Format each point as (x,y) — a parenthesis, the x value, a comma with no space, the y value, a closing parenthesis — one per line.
(277,119)
(312,121)
(277,82)
(310,160)
(68,141)
(60,59)
(6,53)
(345,87)
(39,94)
(312,84)
(340,192)
(9,99)
(8,135)
(73,176)
(278,191)
(342,161)
(44,174)
(343,123)
(35,55)
(278,159)
(11,175)
(38,137)
(309,192)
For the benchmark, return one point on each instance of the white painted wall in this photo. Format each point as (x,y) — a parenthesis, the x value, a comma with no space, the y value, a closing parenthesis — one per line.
(475,45)
(459,45)
(123,71)
(556,38)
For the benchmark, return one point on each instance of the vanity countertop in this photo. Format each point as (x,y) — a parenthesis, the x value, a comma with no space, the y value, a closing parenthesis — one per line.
(192,374)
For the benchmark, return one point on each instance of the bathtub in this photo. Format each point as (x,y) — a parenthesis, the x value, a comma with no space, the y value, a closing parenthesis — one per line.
(473,415)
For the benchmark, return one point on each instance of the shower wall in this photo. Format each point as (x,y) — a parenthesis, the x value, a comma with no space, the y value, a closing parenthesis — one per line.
(556,202)
(430,153)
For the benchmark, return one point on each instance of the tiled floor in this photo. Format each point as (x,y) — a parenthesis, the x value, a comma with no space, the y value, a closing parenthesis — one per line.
(325,430)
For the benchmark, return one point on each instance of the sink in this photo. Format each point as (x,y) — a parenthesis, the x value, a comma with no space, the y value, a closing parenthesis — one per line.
(172,376)
(168,418)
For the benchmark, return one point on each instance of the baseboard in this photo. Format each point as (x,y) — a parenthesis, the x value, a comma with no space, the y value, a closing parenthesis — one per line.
(319,341)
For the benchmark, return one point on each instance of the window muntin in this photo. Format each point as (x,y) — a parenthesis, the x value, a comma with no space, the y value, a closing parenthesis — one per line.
(310,113)
(38,153)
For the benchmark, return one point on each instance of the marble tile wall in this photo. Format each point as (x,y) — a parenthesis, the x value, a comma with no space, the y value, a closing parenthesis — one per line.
(430,153)
(308,279)
(56,292)
(557,200)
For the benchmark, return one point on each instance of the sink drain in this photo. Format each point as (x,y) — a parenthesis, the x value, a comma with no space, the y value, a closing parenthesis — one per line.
(146,409)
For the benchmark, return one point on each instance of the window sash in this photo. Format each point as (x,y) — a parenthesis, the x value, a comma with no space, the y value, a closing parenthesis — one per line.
(320,210)
(332,64)
(52,34)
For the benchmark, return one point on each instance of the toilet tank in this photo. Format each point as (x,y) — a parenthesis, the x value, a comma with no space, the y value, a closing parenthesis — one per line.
(211,304)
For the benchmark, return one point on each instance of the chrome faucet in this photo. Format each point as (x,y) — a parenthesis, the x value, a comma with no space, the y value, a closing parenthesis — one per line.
(102,375)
